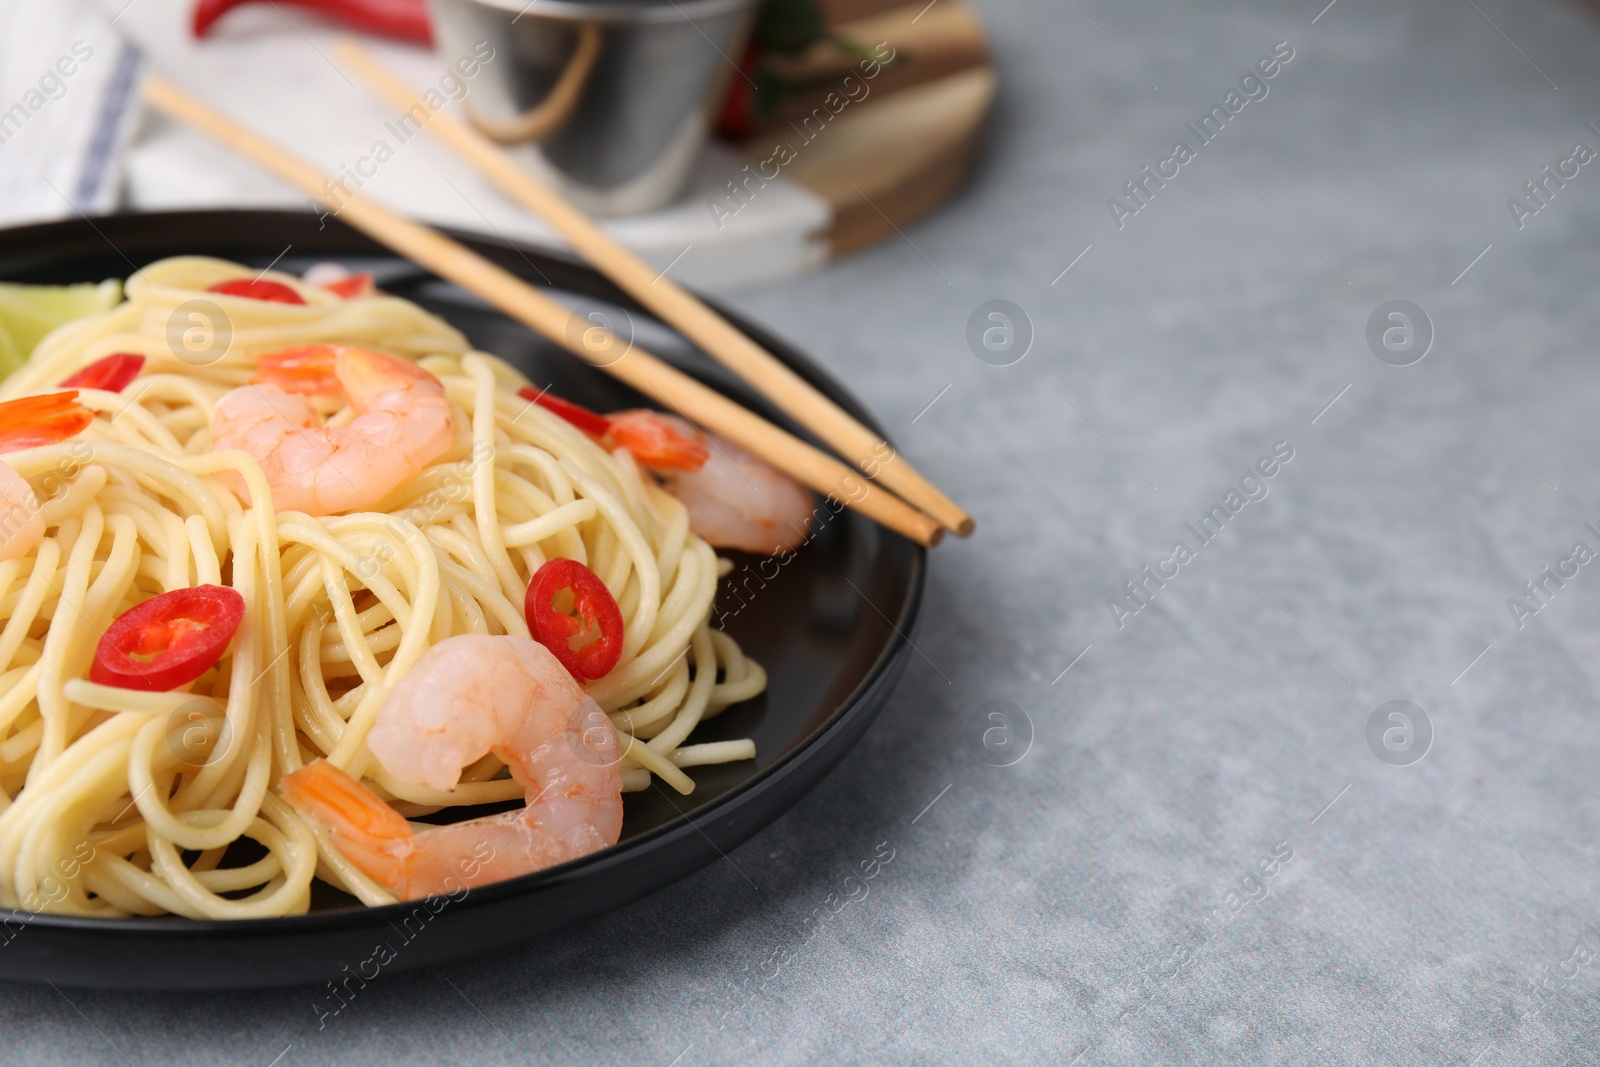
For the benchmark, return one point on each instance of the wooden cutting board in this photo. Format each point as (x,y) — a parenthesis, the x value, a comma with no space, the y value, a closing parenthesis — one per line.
(909,142)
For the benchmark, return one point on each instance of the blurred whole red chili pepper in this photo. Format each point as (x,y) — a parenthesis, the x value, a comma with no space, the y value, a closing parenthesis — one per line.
(784,28)
(405,19)
(738,117)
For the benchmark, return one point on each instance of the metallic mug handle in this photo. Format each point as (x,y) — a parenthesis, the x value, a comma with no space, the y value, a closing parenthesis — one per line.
(552,113)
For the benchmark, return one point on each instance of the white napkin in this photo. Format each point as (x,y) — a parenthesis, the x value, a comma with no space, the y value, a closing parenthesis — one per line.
(68,106)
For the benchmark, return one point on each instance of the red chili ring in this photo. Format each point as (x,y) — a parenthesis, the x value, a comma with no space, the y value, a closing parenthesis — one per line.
(258,289)
(112,374)
(168,640)
(600,631)
(351,287)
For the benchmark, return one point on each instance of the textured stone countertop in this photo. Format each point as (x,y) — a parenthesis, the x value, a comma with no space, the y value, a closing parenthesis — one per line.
(1220,847)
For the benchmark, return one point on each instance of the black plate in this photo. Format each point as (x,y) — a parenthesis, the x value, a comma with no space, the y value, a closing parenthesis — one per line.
(831,655)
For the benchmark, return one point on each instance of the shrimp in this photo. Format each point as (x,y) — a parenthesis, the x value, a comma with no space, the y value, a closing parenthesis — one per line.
(734,499)
(28,423)
(654,440)
(403,422)
(21,517)
(469,695)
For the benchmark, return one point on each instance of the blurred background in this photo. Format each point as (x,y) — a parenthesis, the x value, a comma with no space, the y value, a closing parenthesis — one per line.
(736,141)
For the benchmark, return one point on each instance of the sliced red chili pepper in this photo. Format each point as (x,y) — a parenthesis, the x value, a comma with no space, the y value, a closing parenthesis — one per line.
(737,120)
(653,440)
(351,287)
(405,19)
(112,374)
(169,640)
(572,613)
(589,422)
(31,421)
(257,289)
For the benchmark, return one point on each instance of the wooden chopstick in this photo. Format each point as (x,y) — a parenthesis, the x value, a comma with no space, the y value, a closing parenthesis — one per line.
(719,338)
(638,368)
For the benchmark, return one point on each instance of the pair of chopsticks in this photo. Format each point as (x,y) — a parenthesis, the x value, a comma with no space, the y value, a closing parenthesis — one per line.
(920,512)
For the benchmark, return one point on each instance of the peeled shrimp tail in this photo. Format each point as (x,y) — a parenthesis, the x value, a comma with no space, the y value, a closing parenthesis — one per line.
(442,860)
(42,420)
(27,423)
(369,833)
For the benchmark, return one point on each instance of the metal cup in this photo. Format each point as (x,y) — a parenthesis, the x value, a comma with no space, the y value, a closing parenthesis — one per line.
(609,101)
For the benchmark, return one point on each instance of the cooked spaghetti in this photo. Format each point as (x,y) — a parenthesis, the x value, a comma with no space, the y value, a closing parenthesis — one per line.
(116,802)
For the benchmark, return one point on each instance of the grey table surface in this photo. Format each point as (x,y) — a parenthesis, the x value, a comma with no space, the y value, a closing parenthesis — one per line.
(1201,857)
